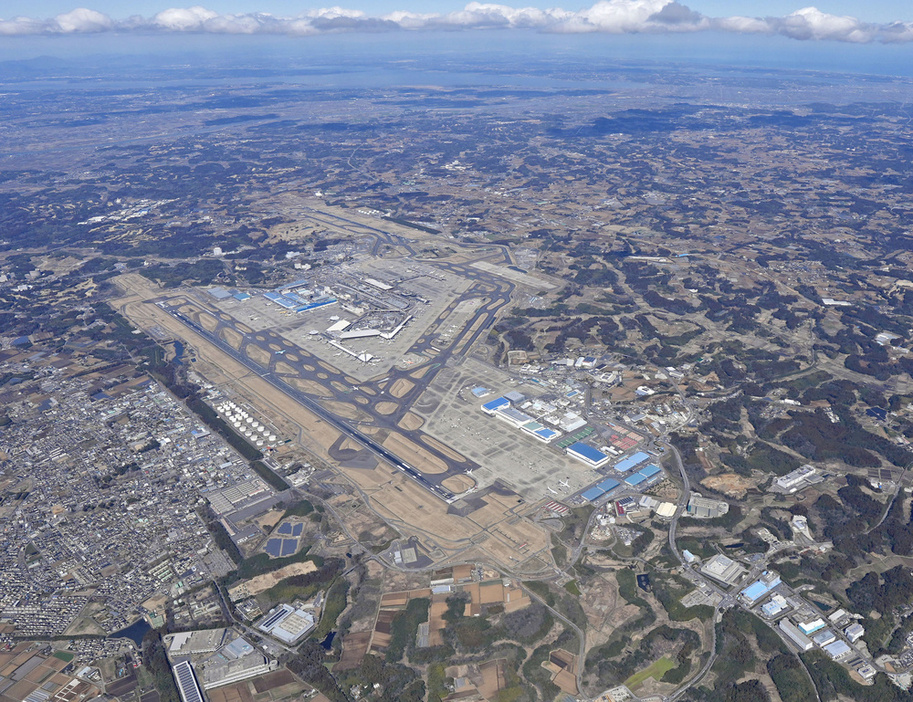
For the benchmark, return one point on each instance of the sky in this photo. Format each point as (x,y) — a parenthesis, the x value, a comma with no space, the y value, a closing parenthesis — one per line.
(877,11)
(884,22)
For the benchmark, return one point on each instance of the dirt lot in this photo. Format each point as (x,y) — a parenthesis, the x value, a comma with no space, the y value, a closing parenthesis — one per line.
(729,484)
(270,681)
(354,648)
(239,692)
(264,582)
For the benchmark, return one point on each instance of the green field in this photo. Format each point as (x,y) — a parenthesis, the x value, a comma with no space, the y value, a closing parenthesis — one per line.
(655,671)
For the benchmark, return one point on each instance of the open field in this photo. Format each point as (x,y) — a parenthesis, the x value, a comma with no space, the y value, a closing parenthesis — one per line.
(207,321)
(232,337)
(400,387)
(258,355)
(443,448)
(655,671)
(458,483)
(414,455)
(284,368)
(411,421)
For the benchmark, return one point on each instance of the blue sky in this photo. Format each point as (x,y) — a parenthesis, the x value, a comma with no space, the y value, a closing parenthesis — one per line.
(877,11)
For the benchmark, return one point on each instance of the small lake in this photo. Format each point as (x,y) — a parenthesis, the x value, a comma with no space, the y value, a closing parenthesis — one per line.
(135,632)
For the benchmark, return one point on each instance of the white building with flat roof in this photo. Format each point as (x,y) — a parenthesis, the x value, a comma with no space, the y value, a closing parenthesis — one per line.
(288,624)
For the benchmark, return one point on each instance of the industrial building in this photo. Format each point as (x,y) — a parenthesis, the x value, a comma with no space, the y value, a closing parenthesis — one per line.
(187,682)
(287,623)
(586,453)
(647,474)
(606,487)
(854,632)
(537,431)
(192,643)
(800,478)
(838,649)
(760,588)
(810,627)
(704,508)
(501,408)
(724,569)
(802,642)
(493,406)
(776,605)
(296,297)
(237,661)
(626,464)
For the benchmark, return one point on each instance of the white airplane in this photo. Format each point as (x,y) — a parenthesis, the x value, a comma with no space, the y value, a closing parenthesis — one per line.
(554,492)
(564,483)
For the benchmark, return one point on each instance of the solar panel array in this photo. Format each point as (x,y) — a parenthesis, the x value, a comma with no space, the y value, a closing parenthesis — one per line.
(187,682)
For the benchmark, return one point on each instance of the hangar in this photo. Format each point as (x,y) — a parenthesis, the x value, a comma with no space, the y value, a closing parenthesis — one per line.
(587,454)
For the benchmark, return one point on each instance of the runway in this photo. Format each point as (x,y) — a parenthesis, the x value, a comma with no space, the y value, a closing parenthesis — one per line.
(493,293)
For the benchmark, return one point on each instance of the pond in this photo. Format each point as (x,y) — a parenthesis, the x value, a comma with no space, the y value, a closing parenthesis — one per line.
(135,632)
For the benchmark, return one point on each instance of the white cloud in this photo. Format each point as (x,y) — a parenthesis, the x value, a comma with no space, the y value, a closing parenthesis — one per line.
(177,19)
(21,25)
(83,20)
(811,23)
(605,16)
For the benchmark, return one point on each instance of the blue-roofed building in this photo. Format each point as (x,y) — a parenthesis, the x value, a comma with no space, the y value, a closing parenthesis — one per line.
(608,485)
(280,300)
(241,296)
(754,592)
(317,303)
(635,479)
(758,589)
(649,471)
(545,434)
(300,283)
(492,406)
(587,454)
(626,464)
(593,494)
